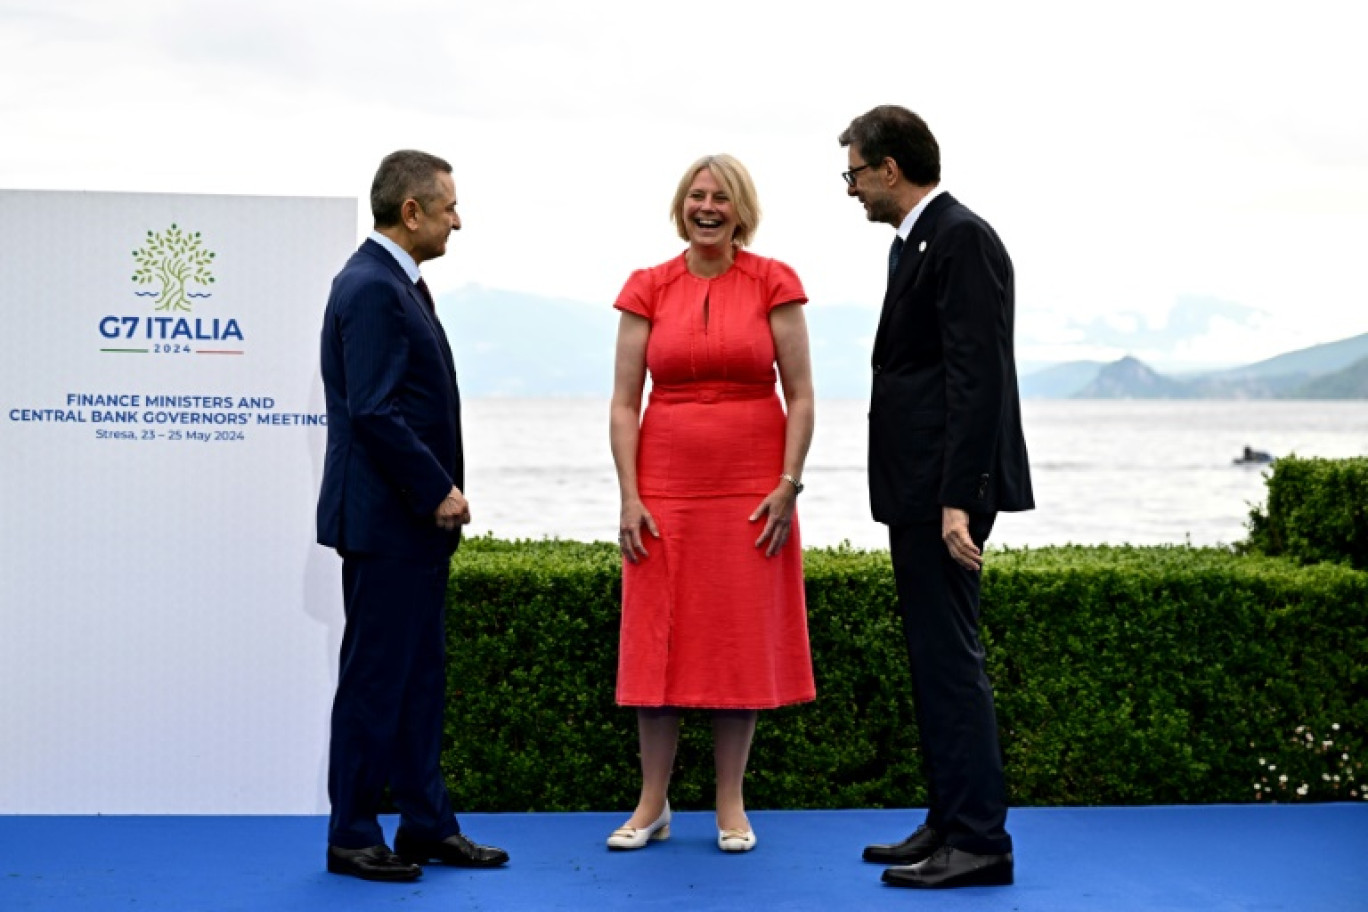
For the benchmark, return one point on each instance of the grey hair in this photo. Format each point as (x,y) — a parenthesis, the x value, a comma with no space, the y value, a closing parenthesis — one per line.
(404,175)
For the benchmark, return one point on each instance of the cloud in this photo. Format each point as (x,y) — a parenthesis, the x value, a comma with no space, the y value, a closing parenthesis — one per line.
(1176,151)
(1189,321)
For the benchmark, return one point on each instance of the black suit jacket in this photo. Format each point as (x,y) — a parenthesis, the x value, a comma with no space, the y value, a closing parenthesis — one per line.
(944,414)
(394,415)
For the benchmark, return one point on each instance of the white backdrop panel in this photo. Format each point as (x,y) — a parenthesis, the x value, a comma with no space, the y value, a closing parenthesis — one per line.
(168,628)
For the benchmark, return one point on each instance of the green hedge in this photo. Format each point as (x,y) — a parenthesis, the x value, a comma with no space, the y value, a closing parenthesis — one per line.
(1317,510)
(1123,676)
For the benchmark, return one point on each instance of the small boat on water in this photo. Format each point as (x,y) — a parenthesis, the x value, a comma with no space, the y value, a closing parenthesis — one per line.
(1252,456)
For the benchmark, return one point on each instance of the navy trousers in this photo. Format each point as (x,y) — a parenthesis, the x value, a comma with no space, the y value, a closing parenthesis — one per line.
(939,602)
(387,713)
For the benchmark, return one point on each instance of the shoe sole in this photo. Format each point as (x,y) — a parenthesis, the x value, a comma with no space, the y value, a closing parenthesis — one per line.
(659,835)
(422,860)
(340,868)
(973,879)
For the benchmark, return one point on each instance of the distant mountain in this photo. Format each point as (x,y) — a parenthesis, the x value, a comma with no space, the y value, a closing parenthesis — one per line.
(1060,381)
(513,344)
(1308,362)
(1131,378)
(1348,383)
(1284,376)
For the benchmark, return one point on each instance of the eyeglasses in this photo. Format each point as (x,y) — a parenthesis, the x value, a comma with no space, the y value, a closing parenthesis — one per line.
(850,175)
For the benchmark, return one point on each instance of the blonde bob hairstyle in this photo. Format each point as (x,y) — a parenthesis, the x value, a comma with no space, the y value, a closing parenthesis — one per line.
(737,183)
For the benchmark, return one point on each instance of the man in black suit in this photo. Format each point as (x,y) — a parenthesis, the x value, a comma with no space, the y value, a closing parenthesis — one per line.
(391,504)
(946,453)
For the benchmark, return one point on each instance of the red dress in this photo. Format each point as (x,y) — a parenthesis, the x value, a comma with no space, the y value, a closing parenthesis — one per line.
(707,619)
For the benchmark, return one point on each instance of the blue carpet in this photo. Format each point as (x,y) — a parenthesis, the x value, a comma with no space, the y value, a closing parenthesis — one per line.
(1151,859)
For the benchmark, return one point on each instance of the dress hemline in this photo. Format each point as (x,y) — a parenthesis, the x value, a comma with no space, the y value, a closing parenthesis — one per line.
(713,704)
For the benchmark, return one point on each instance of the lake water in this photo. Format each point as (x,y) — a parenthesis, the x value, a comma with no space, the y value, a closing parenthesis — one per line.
(1136,472)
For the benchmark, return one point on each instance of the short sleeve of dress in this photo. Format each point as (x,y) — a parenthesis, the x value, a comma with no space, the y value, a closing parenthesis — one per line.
(638,295)
(783,287)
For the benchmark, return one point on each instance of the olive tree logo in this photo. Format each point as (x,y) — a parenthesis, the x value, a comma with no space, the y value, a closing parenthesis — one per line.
(174,258)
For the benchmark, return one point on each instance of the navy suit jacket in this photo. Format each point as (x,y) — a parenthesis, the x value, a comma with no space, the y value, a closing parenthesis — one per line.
(394,415)
(944,413)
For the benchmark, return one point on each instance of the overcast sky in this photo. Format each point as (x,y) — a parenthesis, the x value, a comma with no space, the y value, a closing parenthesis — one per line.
(1183,181)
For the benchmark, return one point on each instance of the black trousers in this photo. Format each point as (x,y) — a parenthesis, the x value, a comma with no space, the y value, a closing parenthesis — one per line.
(939,602)
(391,693)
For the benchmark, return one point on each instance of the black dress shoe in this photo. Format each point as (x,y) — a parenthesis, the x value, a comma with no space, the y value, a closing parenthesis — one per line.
(951,867)
(915,848)
(374,863)
(455,850)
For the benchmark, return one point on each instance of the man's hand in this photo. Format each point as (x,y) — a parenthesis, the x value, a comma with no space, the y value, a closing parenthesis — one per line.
(453,511)
(955,534)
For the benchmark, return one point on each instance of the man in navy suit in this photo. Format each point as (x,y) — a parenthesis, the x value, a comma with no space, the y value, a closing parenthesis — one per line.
(946,453)
(392,505)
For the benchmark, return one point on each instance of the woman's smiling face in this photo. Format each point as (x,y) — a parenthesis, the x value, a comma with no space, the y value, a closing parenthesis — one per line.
(709,216)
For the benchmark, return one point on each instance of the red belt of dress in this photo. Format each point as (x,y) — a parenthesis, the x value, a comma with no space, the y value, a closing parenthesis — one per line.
(711,391)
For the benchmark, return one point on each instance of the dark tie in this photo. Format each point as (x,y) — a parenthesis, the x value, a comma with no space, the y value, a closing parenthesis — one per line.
(427,295)
(894,252)
(437,325)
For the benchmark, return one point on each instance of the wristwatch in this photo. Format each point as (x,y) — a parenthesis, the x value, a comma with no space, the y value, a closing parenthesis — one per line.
(797,485)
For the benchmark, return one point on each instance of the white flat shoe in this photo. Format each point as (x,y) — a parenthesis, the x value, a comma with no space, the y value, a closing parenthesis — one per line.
(736,840)
(626,837)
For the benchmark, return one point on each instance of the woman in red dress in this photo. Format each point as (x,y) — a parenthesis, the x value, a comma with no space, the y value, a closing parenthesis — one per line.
(713,612)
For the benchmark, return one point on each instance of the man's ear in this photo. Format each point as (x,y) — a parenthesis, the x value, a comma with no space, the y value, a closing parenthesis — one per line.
(408,213)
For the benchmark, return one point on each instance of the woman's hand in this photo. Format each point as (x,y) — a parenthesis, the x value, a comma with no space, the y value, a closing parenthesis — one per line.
(630,540)
(777,509)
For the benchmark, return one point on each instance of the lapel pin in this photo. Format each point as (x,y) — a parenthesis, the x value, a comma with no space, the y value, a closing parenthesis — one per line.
(921,248)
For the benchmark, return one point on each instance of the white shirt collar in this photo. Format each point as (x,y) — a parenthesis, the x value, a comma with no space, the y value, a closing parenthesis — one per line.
(905,229)
(400,255)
